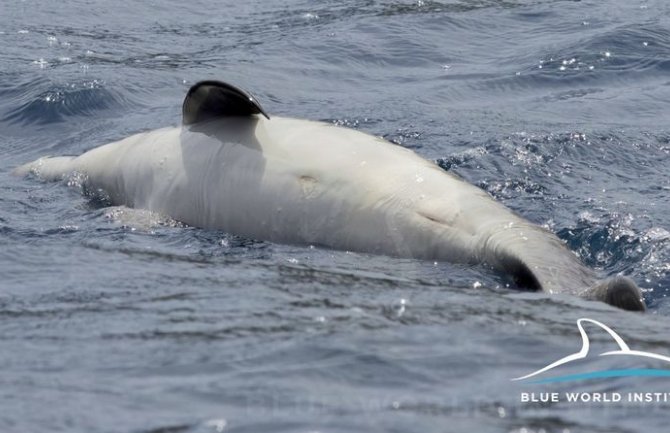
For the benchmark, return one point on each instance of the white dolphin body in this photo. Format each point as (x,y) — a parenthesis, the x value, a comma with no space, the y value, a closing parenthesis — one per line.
(304,182)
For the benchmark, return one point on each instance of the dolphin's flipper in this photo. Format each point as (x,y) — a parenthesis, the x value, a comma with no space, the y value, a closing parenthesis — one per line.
(208,100)
(618,291)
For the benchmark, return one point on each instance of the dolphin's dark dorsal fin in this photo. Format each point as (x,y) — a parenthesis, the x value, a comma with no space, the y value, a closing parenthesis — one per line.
(208,100)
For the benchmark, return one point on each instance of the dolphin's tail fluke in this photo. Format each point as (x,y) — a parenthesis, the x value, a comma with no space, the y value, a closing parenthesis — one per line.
(47,168)
(619,291)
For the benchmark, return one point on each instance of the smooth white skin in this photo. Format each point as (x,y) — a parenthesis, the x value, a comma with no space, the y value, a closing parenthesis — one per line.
(303,182)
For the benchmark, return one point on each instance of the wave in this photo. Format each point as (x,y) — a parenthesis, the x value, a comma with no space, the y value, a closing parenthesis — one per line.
(41,102)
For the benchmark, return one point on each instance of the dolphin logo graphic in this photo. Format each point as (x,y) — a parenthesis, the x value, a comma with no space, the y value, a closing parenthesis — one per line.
(584,351)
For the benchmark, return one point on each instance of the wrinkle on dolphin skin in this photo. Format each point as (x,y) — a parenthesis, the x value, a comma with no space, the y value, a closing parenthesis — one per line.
(232,167)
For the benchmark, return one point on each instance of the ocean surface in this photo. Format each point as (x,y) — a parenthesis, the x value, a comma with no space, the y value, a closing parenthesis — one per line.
(115,320)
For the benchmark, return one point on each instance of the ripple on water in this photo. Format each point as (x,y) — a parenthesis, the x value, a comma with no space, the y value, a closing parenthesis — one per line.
(622,52)
(42,102)
(588,63)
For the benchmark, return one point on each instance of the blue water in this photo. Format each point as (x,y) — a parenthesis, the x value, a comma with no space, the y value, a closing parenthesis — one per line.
(118,321)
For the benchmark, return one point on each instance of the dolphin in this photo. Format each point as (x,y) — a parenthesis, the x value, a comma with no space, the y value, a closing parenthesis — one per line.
(229,166)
